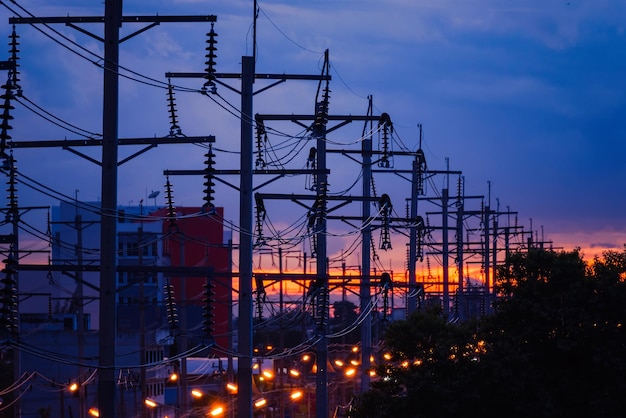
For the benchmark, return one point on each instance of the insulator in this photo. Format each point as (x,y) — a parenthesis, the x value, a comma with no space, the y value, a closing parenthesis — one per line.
(171,209)
(408,257)
(260,295)
(210,56)
(12,182)
(170,306)
(314,246)
(8,297)
(14,73)
(260,218)
(421,170)
(261,138)
(174,127)
(209,185)
(208,313)
(5,108)
(321,307)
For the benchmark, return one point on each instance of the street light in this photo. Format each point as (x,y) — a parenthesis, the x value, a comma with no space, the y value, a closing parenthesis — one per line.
(296,395)
(232,388)
(217,411)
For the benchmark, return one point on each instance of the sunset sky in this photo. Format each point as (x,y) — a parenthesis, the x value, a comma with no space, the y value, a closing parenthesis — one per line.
(527,99)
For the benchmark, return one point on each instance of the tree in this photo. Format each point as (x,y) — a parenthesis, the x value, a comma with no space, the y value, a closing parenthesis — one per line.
(553,347)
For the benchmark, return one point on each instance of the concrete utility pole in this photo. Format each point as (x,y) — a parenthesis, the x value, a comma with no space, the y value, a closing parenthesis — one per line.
(246,196)
(366,243)
(244,371)
(319,133)
(108,232)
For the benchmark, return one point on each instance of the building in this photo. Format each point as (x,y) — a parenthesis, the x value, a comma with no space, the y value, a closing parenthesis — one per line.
(58,327)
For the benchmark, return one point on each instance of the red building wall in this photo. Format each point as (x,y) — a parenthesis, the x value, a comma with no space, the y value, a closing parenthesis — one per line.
(196,239)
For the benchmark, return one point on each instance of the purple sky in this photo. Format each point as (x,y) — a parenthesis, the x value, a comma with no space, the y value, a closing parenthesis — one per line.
(529,99)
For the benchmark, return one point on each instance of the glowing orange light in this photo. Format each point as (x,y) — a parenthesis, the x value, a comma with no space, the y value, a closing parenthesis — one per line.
(294,372)
(350,372)
(261,402)
(231,387)
(173,377)
(150,403)
(296,395)
(355,349)
(387,356)
(306,357)
(94,412)
(339,363)
(372,373)
(74,387)
(268,374)
(196,393)
(354,362)
(217,411)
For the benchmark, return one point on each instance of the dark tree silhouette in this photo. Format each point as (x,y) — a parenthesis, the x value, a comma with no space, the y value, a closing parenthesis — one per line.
(553,348)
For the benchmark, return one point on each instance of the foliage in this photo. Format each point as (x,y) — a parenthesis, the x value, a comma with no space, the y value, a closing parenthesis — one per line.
(553,348)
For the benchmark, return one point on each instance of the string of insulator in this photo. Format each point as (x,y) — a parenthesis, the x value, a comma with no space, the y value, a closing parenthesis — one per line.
(210,62)
(170,306)
(408,257)
(171,209)
(321,308)
(260,213)
(459,192)
(49,228)
(385,207)
(8,298)
(208,312)
(386,128)
(12,187)
(375,256)
(311,163)
(313,245)
(171,104)
(261,139)
(321,112)
(420,158)
(14,72)
(386,284)
(6,107)
(209,184)
(8,93)
(260,297)
(421,231)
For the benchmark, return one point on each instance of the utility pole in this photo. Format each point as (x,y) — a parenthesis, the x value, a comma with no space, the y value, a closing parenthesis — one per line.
(319,132)
(245,173)
(244,372)
(366,243)
(108,231)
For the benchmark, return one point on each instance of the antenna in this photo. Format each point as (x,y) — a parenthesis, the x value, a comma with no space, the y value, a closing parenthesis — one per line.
(153,195)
